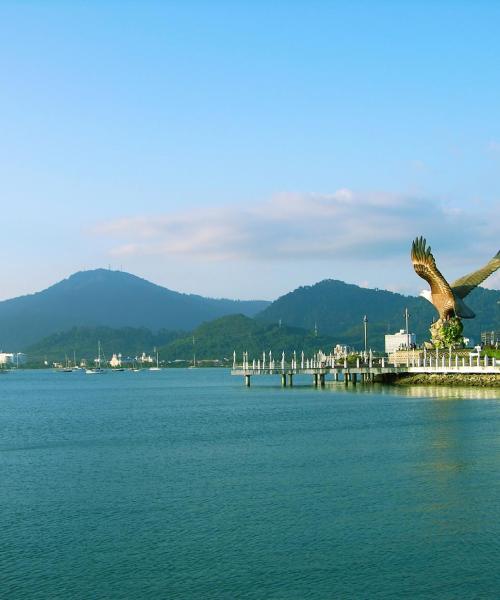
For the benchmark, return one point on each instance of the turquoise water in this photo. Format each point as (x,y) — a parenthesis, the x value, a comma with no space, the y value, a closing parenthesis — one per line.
(185,484)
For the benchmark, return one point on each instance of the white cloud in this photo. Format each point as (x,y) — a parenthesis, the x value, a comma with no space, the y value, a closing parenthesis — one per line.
(344,225)
(493,282)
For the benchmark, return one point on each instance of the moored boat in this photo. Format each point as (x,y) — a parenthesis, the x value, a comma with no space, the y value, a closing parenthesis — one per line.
(97,370)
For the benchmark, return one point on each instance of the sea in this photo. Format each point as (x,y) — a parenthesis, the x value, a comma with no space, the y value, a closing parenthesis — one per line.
(184,484)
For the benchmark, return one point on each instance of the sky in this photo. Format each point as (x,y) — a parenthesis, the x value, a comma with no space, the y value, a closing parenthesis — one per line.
(242,149)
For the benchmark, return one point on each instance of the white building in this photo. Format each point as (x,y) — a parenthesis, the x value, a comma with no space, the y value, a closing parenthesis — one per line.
(145,358)
(342,351)
(13,358)
(399,341)
(490,338)
(116,360)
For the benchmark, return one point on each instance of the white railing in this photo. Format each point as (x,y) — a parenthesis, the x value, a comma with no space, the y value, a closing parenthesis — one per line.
(428,362)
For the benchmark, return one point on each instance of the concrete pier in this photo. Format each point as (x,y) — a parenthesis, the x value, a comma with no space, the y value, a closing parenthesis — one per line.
(319,367)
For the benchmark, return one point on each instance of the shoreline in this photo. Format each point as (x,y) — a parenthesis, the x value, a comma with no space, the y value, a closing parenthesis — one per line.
(491,380)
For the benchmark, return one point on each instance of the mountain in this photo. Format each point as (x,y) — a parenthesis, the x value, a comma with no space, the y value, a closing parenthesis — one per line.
(337,309)
(108,298)
(213,340)
(220,338)
(117,300)
(81,342)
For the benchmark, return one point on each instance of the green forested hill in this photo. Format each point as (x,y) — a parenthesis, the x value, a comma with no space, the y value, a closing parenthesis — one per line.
(111,299)
(337,308)
(219,338)
(82,342)
(214,340)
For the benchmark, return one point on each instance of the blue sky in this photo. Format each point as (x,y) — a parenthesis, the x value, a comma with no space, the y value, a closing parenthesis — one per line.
(240,149)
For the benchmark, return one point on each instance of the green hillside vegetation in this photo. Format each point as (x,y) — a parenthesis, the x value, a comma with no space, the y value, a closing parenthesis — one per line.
(338,308)
(82,342)
(220,338)
(214,340)
(111,299)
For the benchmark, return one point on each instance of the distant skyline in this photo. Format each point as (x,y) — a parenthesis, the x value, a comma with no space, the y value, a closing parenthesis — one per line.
(237,149)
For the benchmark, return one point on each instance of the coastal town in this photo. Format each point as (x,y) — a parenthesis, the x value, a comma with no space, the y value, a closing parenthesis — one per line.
(402,356)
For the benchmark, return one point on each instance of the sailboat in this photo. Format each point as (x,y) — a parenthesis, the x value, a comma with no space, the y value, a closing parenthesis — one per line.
(75,367)
(67,368)
(193,366)
(135,367)
(157,368)
(98,369)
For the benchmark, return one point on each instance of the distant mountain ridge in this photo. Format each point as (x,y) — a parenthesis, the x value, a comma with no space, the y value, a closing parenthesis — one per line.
(108,298)
(330,309)
(337,308)
(329,312)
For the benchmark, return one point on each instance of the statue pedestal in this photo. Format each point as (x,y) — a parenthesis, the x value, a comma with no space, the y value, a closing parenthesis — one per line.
(447,334)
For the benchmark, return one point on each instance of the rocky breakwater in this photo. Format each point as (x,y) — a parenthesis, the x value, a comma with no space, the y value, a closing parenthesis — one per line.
(454,379)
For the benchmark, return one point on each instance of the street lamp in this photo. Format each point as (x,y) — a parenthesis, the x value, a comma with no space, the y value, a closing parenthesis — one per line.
(365,324)
(407,316)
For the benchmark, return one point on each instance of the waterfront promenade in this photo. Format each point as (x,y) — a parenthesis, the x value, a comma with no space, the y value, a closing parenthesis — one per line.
(321,366)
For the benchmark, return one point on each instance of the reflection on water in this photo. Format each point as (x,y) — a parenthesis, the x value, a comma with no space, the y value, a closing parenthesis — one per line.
(420,391)
(451,393)
(449,458)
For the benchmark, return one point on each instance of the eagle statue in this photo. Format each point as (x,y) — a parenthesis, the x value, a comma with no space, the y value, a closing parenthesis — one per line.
(448,299)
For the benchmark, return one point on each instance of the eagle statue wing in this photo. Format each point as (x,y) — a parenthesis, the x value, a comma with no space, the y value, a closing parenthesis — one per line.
(463,286)
(425,266)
